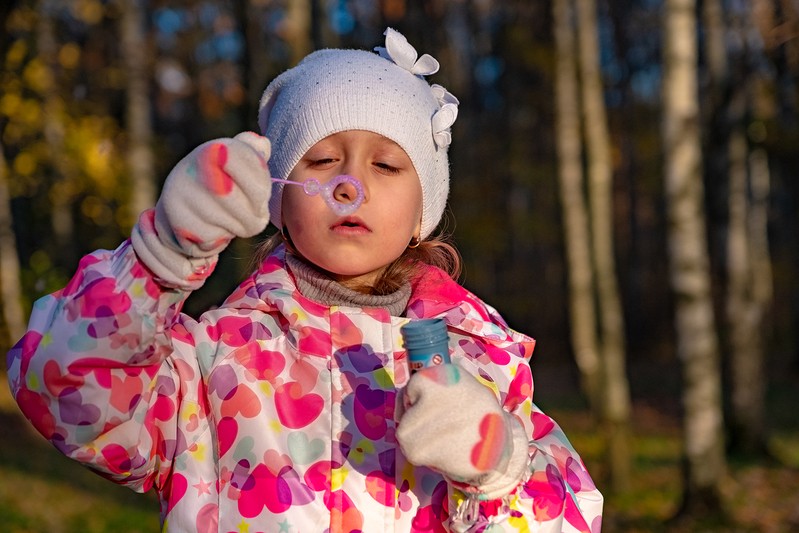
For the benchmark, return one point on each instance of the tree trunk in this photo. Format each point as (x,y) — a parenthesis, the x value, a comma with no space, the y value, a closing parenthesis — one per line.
(776,23)
(62,220)
(256,59)
(13,314)
(747,426)
(575,213)
(760,186)
(697,343)
(715,49)
(616,390)
(749,268)
(134,48)
(299,29)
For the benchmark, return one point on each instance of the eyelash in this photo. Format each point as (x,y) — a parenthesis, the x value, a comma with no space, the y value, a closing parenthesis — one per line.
(384,167)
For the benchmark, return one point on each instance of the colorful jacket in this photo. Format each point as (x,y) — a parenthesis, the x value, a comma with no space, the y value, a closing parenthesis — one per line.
(274,412)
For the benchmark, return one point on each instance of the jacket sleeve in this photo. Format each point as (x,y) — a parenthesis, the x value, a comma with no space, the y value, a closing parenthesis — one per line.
(97,374)
(558,494)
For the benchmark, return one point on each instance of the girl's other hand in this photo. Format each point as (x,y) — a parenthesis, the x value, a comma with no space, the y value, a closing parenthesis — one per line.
(455,425)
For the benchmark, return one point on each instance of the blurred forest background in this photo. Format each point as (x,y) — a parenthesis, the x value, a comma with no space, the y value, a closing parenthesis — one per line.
(623,189)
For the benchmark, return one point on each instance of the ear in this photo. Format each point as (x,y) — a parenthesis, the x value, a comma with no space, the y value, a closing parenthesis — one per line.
(416,239)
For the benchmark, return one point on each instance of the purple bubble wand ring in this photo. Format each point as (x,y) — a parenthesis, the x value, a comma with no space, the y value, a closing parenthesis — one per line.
(327,191)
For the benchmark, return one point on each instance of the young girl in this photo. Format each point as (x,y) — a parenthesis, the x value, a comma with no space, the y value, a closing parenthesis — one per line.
(291,407)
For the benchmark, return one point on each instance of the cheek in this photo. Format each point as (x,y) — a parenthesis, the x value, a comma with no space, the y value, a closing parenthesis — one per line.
(290,198)
(405,218)
(296,225)
(294,206)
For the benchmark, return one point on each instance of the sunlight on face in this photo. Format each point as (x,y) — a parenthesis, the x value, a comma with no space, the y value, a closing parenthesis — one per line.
(355,249)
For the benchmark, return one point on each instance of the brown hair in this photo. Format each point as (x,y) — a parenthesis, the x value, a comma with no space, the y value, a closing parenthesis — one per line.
(436,251)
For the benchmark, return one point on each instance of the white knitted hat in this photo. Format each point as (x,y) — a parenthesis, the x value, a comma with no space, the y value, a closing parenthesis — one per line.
(338,90)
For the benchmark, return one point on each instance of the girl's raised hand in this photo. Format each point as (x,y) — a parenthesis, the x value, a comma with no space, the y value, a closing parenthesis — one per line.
(219,191)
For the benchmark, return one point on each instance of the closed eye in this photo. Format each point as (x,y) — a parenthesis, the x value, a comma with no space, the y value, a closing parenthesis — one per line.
(387,169)
(323,163)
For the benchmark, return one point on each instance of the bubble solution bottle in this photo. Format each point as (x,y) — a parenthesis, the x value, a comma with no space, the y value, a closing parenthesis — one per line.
(426,342)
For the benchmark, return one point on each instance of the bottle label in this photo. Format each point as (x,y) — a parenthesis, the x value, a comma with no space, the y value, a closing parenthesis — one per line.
(419,361)
(426,343)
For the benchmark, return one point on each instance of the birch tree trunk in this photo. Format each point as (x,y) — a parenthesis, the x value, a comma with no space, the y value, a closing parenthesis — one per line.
(13,314)
(138,114)
(575,213)
(616,391)
(697,343)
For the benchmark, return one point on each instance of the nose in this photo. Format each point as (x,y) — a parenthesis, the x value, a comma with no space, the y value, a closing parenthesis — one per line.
(348,190)
(345,192)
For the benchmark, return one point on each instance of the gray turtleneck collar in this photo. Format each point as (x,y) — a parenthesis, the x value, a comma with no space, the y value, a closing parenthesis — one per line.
(318,287)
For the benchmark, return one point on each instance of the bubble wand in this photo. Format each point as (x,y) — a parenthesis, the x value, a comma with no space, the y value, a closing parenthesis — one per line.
(312,187)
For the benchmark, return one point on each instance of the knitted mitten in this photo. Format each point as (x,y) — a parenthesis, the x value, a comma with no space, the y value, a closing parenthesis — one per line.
(455,425)
(219,191)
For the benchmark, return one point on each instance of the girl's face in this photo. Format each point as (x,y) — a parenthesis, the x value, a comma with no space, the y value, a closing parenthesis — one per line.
(355,249)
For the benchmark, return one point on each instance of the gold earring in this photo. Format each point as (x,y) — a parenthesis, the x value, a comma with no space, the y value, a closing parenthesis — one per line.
(415,242)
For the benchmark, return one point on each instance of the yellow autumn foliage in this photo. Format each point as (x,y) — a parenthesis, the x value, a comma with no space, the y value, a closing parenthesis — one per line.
(37,76)
(30,113)
(89,11)
(24,164)
(10,103)
(23,18)
(90,140)
(69,55)
(16,54)
(97,210)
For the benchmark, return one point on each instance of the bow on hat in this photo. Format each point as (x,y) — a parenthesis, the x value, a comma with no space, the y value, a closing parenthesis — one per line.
(403,54)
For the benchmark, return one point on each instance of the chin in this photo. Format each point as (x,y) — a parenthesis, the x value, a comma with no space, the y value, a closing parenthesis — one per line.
(343,275)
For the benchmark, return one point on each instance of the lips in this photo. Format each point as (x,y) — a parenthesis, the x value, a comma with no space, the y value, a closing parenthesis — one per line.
(350,225)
